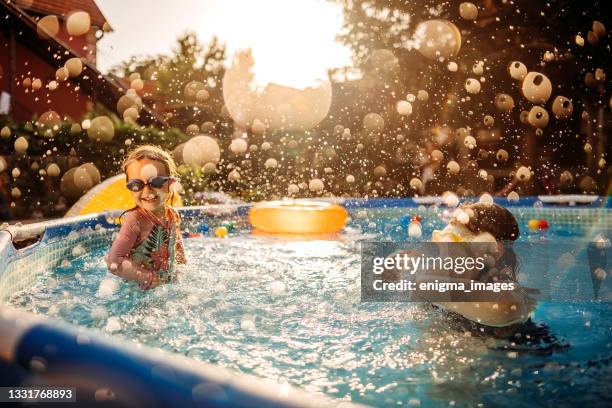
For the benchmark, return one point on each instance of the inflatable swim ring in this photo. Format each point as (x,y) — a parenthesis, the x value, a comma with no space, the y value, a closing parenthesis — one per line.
(297,217)
(111,194)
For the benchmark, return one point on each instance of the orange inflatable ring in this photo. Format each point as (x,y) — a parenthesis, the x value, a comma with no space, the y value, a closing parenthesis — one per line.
(297,217)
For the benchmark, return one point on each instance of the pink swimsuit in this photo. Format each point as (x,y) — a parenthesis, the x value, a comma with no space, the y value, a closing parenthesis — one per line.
(150,243)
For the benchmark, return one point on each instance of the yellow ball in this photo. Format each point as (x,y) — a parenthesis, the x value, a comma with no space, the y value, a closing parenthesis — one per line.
(221,232)
(533,224)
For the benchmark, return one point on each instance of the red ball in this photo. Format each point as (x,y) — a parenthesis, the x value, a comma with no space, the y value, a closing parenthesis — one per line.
(416,218)
(542,224)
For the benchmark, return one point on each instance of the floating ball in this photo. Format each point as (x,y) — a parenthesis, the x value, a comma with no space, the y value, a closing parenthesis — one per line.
(469,142)
(566,178)
(472,86)
(258,127)
(504,102)
(501,155)
(380,171)
(74,67)
(437,155)
(15,192)
(137,84)
(517,70)
(453,167)
(271,163)
(478,68)
(488,120)
(239,146)
(52,85)
(82,180)
(538,117)
(437,39)
(202,95)
(5,133)
(21,144)
(468,11)
(404,108)
(373,122)
(229,225)
(533,224)
(315,185)
(599,29)
(192,88)
(192,129)
(48,123)
(422,95)
(536,87)
(93,172)
(416,184)
(36,84)
(462,217)
(293,189)
(48,26)
(486,198)
(523,174)
(53,170)
(62,74)
(450,199)
(78,23)
(233,175)
(350,178)
(101,129)
(221,232)
(128,101)
(131,114)
(542,225)
(200,150)
(562,107)
(513,196)
(67,186)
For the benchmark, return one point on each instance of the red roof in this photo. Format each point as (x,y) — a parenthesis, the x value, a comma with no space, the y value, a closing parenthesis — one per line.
(65,7)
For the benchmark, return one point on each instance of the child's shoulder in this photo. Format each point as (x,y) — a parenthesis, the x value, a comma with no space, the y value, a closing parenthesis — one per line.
(131,217)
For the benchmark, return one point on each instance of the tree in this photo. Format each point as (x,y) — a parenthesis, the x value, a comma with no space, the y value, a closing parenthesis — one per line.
(541,35)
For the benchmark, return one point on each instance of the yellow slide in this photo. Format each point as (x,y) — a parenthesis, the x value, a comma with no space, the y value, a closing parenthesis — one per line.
(111,194)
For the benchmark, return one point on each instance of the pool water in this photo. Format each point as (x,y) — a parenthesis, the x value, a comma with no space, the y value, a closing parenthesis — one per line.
(290,311)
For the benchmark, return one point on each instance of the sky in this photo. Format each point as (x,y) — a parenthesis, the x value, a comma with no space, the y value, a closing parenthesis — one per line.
(293,41)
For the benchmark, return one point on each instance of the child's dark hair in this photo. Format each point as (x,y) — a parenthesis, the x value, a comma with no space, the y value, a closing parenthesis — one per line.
(499,222)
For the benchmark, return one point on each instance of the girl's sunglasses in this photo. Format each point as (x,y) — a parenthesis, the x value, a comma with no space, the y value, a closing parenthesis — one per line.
(137,185)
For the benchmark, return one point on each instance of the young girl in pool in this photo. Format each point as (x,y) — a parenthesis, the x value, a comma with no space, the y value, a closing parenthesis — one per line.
(150,240)
(488,223)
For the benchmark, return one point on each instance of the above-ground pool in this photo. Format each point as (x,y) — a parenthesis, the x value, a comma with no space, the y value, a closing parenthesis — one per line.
(289,310)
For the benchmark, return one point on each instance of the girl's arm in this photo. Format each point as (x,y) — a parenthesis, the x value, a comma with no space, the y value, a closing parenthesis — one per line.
(180,249)
(513,309)
(117,259)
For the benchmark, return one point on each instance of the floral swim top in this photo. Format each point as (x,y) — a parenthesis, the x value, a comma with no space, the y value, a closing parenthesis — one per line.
(149,244)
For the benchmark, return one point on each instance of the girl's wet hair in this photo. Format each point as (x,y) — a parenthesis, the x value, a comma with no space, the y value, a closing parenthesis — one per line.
(494,219)
(150,152)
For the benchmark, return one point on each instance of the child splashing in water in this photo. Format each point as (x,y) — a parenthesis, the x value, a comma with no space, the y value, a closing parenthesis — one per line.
(488,223)
(149,241)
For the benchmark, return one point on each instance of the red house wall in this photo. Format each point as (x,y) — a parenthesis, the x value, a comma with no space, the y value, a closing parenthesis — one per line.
(66,100)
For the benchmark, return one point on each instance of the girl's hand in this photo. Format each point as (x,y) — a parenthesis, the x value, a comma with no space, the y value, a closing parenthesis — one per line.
(148,280)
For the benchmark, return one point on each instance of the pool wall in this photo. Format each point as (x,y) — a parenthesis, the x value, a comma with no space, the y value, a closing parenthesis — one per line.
(153,376)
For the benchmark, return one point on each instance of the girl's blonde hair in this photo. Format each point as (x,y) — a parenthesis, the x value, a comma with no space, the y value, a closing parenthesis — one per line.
(150,152)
